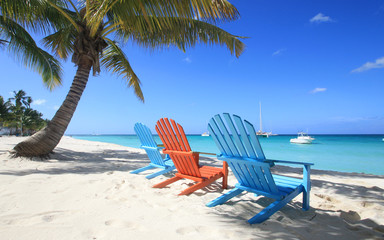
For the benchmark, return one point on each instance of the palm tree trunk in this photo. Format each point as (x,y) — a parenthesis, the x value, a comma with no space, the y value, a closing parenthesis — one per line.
(43,142)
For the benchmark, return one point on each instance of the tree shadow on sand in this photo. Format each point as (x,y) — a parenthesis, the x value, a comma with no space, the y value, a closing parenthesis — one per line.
(85,162)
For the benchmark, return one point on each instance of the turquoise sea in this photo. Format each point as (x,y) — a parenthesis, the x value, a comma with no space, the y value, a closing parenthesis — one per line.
(345,153)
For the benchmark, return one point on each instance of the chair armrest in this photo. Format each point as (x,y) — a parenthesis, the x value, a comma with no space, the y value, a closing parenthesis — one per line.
(205,153)
(289,162)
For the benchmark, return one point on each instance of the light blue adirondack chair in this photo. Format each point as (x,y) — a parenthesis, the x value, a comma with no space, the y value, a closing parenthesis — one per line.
(152,150)
(240,148)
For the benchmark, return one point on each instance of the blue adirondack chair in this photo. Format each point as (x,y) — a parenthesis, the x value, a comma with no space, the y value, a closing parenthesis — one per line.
(241,149)
(152,150)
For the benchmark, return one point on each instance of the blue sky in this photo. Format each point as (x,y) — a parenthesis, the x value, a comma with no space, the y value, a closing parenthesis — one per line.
(314,65)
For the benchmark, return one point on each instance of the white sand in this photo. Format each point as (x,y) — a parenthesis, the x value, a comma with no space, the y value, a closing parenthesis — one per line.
(85,191)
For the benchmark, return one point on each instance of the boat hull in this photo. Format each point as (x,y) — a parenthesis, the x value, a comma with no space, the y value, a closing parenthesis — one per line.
(300,141)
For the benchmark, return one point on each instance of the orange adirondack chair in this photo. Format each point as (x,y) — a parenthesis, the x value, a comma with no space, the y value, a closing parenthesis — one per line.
(186,162)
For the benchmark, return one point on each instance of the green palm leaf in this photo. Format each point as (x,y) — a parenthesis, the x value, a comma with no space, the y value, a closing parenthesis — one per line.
(114,59)
(37,15)
(22,45)
(61,42)
(181,35)
(156,13)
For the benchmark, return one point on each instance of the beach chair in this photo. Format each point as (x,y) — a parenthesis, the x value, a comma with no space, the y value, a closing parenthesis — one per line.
(187,162)
(240,148)
(152,150)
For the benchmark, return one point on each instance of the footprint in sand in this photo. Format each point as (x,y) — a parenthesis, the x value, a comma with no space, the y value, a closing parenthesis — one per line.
(119,185)
(194,230)
(350,216)
(366,204)
(123,224)
(326,197)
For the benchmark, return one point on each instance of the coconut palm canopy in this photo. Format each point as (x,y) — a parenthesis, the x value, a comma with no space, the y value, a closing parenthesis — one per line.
(92,33)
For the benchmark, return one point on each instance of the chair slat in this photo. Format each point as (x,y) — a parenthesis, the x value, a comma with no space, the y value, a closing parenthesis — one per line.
(255,176)
(171,134)
(255,142)
(246,175)
(218,138)
(233,166)
(163,136)
(181,134)
(226,135)
(244,136)
(235,135)
(269,178)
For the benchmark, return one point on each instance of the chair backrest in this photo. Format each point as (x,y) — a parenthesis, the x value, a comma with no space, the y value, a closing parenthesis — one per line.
(176,145)
(235,142)
(149,144)
(240,148)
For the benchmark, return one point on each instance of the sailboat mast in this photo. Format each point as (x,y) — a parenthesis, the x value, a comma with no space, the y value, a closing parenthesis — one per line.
(261,123)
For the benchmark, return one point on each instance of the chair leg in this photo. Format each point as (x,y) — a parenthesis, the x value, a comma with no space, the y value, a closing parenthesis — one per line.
(225,175)
(274,207)
(199,185)
(141,169)
(166,182)
(150,176)
(305,200)
(225,197)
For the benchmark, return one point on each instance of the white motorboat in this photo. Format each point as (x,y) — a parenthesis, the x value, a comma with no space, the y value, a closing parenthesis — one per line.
(206,134)
(302,138)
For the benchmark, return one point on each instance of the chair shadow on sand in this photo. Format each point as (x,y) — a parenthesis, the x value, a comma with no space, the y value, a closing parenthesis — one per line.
(316,223)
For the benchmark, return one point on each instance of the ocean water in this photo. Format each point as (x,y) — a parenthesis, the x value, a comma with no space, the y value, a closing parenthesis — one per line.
(345,153)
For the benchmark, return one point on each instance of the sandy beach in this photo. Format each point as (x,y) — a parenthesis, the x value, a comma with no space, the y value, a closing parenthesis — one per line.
(85,191)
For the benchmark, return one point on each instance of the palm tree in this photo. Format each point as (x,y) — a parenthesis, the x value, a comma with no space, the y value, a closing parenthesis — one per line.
(21,99)
(4,111)
(22,102)
(93,30)
(32,121)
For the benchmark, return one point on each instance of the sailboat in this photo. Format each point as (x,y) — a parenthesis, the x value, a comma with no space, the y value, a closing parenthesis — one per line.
(260,132)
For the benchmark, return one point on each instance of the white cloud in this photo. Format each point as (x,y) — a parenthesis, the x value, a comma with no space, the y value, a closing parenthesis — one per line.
(39,102)
(56,107)
(319,18)
(316,90)
(278,52)
(187,59)
(379,63)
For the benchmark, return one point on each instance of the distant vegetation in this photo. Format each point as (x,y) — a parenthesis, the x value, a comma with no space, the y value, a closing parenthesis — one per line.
(17,116)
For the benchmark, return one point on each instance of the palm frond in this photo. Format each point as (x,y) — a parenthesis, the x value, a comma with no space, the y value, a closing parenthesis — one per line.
(37,15)
(180,34)
(24,48)
(157,13)
(61,42)
(114,59)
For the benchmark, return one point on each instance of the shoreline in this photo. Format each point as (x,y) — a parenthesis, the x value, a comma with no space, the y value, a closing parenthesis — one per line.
(87,185)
